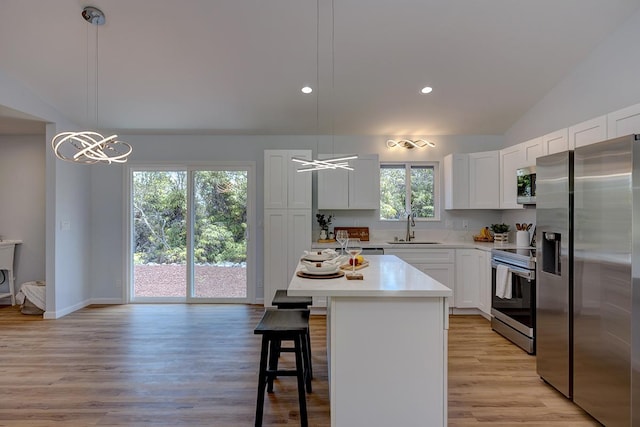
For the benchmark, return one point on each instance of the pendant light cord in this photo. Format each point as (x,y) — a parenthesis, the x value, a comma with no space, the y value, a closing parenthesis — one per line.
(97,71)
(333,78)
(317,77)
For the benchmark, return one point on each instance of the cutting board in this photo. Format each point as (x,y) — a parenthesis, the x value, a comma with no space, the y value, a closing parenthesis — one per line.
(361,233)
(347,267)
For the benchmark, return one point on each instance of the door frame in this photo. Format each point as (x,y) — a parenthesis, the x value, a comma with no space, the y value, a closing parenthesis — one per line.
(189,168)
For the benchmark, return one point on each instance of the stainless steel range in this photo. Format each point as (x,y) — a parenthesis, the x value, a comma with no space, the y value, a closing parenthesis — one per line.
(513,295)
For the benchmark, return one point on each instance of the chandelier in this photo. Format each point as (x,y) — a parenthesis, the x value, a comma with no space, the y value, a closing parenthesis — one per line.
(90,147)
(341,162)
(318,165)
(409,143)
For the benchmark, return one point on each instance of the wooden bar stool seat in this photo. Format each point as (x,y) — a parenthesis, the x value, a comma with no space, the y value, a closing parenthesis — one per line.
(286,302)
(276,326)
(282,300)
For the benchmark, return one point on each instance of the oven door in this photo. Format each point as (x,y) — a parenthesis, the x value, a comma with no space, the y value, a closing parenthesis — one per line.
(519,310)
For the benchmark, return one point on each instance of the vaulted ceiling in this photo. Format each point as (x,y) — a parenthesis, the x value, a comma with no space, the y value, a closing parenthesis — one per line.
(237,66)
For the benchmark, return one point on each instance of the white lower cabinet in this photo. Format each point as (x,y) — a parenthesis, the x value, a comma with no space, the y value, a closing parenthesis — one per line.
(467,293)
(465,271)
(437,263)
(485,290)
(473,279)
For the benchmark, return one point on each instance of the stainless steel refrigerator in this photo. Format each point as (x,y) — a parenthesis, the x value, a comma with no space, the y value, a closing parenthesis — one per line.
(588,333)
(554,265)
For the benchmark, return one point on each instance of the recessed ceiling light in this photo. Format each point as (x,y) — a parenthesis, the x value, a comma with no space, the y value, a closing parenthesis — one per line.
(426,89)
(307,89)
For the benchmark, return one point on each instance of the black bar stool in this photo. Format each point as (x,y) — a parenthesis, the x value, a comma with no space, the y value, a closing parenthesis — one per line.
(285,302)
(275,326)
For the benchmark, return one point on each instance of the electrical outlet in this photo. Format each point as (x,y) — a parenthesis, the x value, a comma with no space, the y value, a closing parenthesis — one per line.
(465,224)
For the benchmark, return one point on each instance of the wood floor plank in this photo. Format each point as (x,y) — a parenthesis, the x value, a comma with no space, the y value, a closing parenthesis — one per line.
(197,365)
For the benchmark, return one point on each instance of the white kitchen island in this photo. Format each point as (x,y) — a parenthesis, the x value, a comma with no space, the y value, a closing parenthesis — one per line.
(387,344)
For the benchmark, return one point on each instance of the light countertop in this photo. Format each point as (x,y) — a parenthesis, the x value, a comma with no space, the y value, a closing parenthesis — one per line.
(10,242)
(439,245)
(386,276)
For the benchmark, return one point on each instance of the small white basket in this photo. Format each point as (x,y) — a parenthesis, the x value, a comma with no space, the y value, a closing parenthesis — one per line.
(500,238)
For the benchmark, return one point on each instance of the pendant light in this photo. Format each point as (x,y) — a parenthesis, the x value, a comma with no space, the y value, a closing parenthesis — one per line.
(89,147)
(341,162)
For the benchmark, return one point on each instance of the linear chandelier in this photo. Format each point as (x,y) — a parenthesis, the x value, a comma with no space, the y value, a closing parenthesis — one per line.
(318,165)
(89,147)
(409,143)
(330,163)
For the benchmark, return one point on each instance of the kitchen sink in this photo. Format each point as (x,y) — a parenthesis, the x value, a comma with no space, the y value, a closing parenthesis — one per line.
(414,242)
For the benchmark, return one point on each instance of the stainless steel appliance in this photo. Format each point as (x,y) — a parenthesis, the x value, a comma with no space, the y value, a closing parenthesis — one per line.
(603,311)
(526,181)
(554,218)
(370,250)
(514,317)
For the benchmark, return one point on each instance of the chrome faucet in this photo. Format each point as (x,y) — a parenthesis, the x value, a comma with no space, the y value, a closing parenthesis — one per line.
(410,223)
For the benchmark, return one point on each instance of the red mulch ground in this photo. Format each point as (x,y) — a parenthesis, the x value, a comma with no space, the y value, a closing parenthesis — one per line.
(169,280)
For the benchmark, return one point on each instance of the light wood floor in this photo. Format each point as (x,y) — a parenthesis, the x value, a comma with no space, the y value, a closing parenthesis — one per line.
(196,365)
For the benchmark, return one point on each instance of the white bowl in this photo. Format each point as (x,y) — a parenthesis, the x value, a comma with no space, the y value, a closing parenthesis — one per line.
(317,256)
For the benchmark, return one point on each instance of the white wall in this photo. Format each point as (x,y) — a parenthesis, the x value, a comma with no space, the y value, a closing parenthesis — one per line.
(108,200)
(22,203)
(72,282)
(607,80)
(67,188)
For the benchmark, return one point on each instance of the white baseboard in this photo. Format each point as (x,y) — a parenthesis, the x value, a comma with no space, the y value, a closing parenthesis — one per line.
(469,311)
(49,314)
(115,301)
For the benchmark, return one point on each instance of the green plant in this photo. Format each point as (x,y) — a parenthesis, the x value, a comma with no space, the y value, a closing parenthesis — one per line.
(322,222)
(500,228)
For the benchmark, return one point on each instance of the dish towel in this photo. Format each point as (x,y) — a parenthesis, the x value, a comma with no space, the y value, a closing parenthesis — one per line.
(503,282)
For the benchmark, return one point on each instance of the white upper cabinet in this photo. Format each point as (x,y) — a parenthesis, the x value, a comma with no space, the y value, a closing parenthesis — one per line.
(555,142)
(623,122)
(484,180)
(284,188)
(356,189)
(456,181)
(511,158)
(531,150)
(588,132)
(472,181)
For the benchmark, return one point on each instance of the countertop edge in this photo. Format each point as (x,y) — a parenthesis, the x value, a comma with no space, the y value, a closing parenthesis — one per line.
(440,245)
(365,293)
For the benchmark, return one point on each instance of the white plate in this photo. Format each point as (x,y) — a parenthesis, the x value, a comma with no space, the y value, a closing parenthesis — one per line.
(320,273)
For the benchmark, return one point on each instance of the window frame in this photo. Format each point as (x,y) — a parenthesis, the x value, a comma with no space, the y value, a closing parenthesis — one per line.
(436,188)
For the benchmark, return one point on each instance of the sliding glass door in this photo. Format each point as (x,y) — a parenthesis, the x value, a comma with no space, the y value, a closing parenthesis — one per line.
(190,234)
